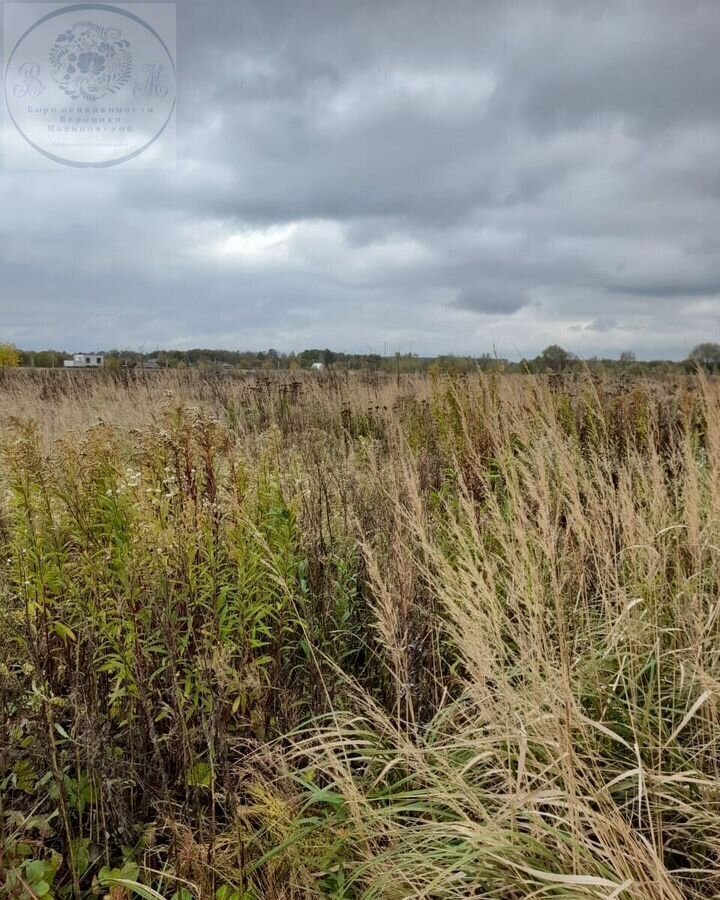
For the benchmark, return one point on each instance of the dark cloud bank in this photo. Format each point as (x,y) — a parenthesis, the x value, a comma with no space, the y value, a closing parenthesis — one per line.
(451,177)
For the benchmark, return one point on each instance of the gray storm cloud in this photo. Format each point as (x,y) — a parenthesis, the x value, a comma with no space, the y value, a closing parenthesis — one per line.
(451,177)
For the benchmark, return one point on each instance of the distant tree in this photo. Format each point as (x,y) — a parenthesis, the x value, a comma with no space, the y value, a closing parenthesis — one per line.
(9,356)
(329,357)
(555,358)
(707,355)
(48,359)
(627,356)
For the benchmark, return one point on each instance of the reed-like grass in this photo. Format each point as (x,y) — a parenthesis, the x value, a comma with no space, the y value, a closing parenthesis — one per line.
(359,638)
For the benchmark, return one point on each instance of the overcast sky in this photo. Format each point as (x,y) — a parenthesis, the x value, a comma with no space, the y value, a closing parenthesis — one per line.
(439,177)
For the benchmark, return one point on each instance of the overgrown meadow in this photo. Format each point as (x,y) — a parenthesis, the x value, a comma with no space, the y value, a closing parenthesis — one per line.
(274,637)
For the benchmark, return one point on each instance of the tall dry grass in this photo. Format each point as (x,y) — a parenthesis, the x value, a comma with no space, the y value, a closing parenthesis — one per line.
(359,638)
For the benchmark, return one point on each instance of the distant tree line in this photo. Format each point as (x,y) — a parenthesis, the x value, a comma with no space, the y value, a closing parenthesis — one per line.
(553,359)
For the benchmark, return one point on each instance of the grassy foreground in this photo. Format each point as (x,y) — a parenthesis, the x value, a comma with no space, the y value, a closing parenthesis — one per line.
(268,638)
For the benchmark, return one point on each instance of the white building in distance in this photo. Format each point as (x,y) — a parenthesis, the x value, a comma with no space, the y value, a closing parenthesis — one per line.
(86,361)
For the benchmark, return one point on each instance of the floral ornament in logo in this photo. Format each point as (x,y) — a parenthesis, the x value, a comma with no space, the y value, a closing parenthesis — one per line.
(91,61)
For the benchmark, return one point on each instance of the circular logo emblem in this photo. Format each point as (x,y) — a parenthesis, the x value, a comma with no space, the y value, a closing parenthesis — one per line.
(91,85)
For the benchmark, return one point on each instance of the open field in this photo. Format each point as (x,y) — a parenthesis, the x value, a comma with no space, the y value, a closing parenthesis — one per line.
(351,637)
